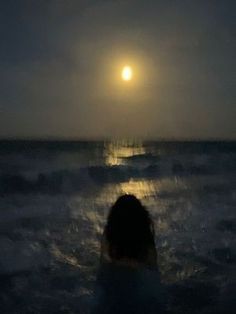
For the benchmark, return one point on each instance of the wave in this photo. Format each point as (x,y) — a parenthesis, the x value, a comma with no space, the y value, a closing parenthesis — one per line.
(72,181)
(65,181)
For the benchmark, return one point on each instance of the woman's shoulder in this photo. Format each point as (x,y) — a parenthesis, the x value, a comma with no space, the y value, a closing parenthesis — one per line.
(125,274)
(124,286)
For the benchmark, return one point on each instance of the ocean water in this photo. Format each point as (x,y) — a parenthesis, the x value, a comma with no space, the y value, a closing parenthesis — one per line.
(54,200)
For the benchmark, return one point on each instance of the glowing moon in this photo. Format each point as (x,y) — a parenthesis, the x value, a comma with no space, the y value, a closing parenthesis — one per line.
(127,73)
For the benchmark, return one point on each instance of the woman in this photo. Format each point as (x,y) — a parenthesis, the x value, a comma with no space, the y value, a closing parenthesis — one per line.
(128,278)
(128,237)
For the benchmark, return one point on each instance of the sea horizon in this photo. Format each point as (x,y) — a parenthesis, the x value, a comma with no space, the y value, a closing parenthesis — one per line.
(113,139)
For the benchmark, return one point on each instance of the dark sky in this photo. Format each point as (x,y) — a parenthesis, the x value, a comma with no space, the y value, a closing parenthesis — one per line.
(60,63)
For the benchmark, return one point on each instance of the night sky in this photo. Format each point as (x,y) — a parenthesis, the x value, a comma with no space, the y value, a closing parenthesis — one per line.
(60,64)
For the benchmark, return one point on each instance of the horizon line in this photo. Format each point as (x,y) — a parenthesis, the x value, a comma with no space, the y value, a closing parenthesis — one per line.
(113,139)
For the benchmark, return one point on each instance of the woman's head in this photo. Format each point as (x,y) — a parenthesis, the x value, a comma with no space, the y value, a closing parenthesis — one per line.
(129,230)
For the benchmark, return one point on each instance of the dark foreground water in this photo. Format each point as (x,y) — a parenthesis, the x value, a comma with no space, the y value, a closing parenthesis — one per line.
(54,199)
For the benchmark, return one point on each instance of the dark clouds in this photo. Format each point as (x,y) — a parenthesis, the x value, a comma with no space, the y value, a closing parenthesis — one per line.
(58,60)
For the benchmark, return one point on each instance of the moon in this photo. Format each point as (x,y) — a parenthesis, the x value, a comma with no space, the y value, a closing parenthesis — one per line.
(127,73)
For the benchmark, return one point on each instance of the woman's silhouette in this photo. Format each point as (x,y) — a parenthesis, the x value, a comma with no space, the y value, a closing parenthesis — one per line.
(128,278)
(128,237)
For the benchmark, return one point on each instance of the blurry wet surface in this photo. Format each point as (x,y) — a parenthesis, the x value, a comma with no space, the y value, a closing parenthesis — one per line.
(54,199)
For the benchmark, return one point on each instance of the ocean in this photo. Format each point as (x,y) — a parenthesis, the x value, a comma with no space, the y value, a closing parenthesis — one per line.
(54,200)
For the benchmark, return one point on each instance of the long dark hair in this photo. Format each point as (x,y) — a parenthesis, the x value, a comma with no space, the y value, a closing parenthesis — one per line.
(129,231)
